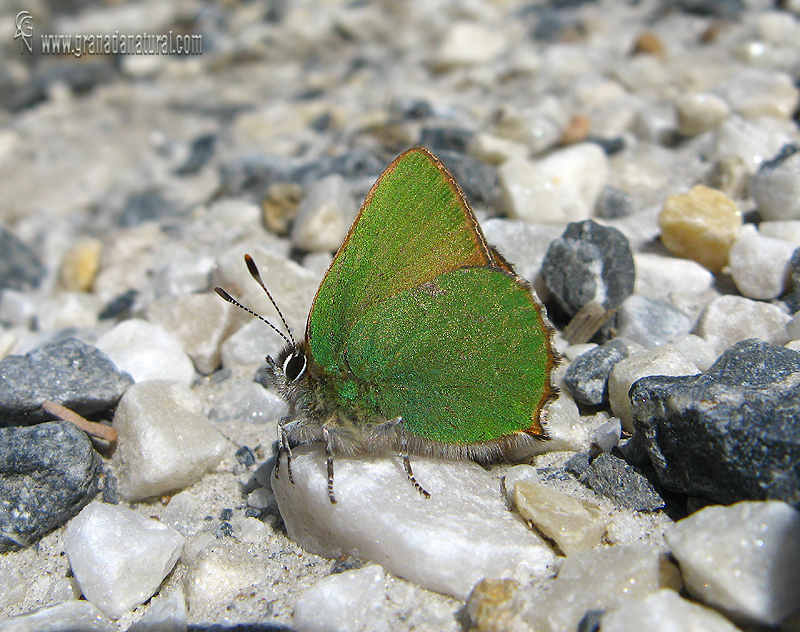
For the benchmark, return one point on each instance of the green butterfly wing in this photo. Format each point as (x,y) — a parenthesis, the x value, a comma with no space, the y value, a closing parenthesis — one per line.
(414,225)
(463,358)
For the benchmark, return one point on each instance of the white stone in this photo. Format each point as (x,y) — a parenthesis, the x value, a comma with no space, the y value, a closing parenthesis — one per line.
(776,190)
(324,215)
(743,559)
(523,244)
(777,27)
(753,142)
(793,327)
(467,44)
(600,579)
(729,319)
(494,149)
(574,351)
(759,265)
(166,442)
(607,436)
(217,574)
(665,611)
(118,556)
(168,614)
(562,187)
(235,212)
(248,401)
(147,352)
(12,586)
(787,230)
(70,616)
(539,127)
(251,530)
(446,543)
(754,92)
(184,513)
(658,361)
(351,601)
(699,112)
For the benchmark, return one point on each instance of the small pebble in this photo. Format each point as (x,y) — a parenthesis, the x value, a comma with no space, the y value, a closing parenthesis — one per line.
(324,215)
(700,225)
(280,206)
(80,265)
(700,112)
(118,557)
(754,92)
(67,616)
(776,190)
(759,265)
(614,479)
(649,322)
(20,267)
(743,559)
(467,44)
(587,377)
(12,586)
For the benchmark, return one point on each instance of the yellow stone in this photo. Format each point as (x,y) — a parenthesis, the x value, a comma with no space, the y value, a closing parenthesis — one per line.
(700,225)
(80,265)
(573,524)
(492,607)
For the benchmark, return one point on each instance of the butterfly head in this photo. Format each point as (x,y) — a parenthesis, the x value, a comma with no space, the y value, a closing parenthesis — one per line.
(289,369)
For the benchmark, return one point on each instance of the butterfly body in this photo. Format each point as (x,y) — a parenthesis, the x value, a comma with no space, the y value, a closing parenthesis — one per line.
(421,339)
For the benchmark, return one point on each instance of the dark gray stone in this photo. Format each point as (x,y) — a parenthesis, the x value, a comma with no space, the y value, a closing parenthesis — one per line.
(612,203)
(199,154)
(20,268)
(589,262)
(621,483)
(48,473)
(477,179)
(587,377)
(792,296)
(439,139)
(730,434)
(650,322)
(119,306)
(727,9)
(80,377)
(577,464)
(145,207)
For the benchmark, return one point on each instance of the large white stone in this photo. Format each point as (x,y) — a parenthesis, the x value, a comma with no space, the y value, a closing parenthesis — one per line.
(70,616)
(446,543)
(743,559)
(166,442)
(119,557)
(658,361)
(729,319)
(344,602)
(147,352)
(600,579)
(665,611)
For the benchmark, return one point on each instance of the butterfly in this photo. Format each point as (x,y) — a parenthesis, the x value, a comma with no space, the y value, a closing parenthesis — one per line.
(421,339)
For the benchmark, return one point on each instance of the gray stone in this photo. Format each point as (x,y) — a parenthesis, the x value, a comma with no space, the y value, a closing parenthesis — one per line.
(589,262)
(477,179)
(613,203)
(587,377)
(48,473)
(650,322)
(730,434)
(80,377)
(618,481)
(20,268)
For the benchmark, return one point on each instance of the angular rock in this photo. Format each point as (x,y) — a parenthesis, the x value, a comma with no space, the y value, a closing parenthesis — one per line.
(587,377)
(729,434)
(166,442)
(616,480)
(445,543)
(743,560)
(589,262)
(650,322)
(48,472)
(119,557)
(80,377)
(665,611)
(759,265)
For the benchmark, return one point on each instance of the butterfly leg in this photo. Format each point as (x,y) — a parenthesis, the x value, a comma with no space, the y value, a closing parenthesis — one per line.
(283,447)
(407,461)
(326,436)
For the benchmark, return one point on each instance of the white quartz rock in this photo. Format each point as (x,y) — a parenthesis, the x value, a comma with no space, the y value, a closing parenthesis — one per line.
(166,442)
(324,215)
(147,352)
(446,543)
(344,602)
(743,559)
(119,557)
(759,265)
(730,319)
(665,611)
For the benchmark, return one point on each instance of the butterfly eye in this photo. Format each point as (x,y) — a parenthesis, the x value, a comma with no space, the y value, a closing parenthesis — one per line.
(294,366)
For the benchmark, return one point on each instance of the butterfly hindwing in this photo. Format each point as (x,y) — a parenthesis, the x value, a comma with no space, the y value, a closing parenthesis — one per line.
(463,358)
(414,225)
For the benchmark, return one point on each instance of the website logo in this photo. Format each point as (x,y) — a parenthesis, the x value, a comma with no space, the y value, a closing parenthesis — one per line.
(24,32)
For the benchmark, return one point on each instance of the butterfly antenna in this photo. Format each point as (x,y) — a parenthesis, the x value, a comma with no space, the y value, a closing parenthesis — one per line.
(251,266)
(233,301)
